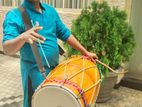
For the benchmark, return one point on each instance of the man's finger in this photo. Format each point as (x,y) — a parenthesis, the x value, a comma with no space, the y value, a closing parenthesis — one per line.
(95,56)
(37,23)
(30,41)
(37,36)
(37,28)
(36,39)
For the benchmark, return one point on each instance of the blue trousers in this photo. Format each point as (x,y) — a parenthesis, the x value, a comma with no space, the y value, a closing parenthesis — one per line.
(30,71)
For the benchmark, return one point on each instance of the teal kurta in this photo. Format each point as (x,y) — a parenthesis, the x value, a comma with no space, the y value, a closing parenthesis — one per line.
(53,28)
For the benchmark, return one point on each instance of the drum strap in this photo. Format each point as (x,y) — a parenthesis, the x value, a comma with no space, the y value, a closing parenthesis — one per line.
(36,53)
(28,25)
(72,84)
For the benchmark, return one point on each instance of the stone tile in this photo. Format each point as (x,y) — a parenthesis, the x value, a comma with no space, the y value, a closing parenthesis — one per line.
(11,94)
(124,97)
(10,80)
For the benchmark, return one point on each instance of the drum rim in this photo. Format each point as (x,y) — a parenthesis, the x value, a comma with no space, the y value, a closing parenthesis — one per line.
(58,85)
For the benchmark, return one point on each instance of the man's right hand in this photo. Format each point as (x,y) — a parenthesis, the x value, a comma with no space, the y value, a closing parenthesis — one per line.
(31,35)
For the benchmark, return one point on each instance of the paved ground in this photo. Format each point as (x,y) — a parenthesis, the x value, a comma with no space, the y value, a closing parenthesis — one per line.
(11,91)
(10,80)
(124,97)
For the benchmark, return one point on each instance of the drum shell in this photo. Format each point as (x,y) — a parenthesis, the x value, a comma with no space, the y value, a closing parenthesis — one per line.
(88,76)
(76,64)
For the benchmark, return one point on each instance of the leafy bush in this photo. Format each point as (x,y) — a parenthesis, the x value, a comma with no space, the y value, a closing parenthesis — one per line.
(105,31)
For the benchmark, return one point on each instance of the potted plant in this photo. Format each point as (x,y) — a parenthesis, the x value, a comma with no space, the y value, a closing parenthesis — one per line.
(105,31)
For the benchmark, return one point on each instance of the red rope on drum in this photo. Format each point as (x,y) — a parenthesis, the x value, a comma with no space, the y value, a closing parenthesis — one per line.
(74,85)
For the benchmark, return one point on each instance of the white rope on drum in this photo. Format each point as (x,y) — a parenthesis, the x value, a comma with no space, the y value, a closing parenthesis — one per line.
(65,72)
(62,65)
(93,95)
(96,95)
(83,72)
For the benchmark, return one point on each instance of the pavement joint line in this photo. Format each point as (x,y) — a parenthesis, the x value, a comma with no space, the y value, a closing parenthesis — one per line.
(11,100)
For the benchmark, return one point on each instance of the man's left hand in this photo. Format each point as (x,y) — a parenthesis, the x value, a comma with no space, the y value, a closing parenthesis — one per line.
(91,55)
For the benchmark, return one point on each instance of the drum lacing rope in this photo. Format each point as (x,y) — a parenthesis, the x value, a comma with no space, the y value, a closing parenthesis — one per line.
(64,64)
(81,92)
(92,97)
(83,73)
(65,74)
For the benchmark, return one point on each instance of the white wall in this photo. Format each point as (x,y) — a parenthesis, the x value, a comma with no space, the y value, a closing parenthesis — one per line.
(135,69)
(55,3)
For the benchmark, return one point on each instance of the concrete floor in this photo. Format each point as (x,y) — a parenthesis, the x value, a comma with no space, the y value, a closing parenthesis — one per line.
(124,97)
(11,94)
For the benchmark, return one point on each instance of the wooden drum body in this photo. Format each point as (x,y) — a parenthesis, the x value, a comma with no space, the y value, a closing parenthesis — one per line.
(73,83)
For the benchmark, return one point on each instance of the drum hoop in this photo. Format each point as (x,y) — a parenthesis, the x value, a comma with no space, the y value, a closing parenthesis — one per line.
(57,85)
(72,84)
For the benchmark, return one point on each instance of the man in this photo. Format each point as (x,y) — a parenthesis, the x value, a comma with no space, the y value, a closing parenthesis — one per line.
(49,28)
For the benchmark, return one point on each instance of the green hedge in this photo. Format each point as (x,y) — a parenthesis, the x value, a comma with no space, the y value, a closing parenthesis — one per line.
(104,30)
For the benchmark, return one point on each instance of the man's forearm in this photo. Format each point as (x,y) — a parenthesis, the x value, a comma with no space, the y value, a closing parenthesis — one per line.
(73,42)
(11,47)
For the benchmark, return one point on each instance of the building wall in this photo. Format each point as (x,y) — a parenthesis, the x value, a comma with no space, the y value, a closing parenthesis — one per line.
(66,3)
(135,69)
(55,3)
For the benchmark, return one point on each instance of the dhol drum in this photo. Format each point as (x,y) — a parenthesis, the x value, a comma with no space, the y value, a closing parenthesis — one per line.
(73,83)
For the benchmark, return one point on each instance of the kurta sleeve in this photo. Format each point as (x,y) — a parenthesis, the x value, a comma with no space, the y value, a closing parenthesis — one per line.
(62,31)
(10,27)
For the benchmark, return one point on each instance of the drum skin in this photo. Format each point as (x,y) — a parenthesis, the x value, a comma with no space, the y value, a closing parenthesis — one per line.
(88,76)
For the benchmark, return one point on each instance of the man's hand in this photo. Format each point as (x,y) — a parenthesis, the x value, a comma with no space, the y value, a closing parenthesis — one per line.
(32,35)
(92,56)
(10,47)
